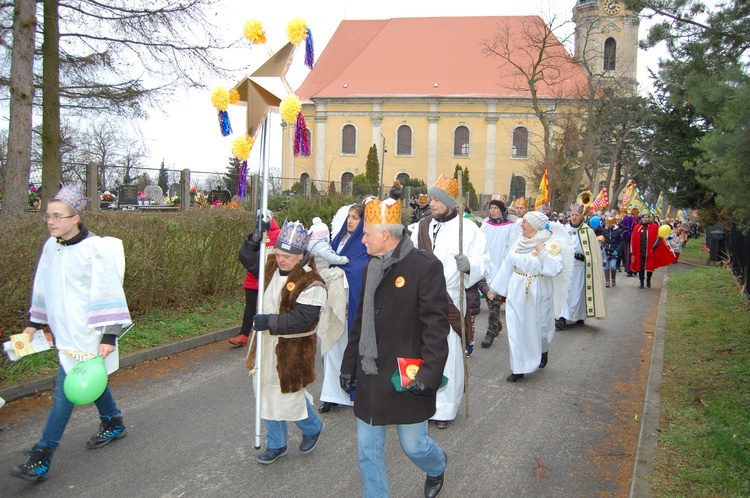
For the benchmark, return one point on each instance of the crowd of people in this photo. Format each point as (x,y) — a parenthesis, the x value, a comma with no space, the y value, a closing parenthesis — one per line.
(339,289)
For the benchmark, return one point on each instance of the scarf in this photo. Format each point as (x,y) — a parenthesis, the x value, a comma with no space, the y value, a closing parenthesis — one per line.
(377,267)
(526,244)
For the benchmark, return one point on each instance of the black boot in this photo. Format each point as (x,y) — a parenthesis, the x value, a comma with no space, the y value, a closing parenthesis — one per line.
(543,363)
(488,339)
(36,467)
(614,278)
(110,429)
(514,377)
(325,406)
(648,279)
(560,323)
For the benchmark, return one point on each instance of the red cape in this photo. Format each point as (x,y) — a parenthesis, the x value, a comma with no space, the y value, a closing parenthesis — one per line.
(657,257)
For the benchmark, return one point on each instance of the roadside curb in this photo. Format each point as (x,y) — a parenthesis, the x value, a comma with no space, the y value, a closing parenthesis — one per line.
(46,383)
(643,464)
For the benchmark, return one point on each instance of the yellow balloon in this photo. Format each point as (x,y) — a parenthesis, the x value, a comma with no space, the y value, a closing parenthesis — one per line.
(665,230)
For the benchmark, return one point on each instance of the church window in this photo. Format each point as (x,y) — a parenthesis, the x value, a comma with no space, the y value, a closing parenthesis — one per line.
(349,140)
(610,54)
(402,178)
(403,142)
(461,141)
(520,186)
(520,142)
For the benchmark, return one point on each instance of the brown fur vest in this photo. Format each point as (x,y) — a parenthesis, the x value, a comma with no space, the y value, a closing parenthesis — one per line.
(295,356)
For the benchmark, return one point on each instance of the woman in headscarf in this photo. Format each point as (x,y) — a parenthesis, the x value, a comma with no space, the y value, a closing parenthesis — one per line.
(348,243)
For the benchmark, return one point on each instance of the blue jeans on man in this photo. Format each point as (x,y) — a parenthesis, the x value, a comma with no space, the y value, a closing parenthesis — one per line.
(415,442)
(276,430)
(62,409)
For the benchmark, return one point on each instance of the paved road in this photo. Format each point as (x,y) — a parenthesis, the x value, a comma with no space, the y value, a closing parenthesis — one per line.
(569,430)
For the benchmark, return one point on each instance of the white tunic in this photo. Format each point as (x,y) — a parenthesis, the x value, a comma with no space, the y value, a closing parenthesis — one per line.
(276,405)
(78,291)
(445,240)
(499,239)
(525,278)
(574,308)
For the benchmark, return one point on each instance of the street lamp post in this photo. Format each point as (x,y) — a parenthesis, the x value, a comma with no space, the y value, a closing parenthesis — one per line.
(382,167)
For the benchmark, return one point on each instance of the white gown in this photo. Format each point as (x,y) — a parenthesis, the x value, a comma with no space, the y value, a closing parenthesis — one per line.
(526,280)
(574,308)
(446,248)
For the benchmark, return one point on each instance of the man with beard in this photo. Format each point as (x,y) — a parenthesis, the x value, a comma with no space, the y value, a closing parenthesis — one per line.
(440,235)
(586,292)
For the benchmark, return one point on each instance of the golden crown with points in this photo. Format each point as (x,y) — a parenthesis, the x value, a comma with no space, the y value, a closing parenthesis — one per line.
(378,212)
(450,185)
(521,201)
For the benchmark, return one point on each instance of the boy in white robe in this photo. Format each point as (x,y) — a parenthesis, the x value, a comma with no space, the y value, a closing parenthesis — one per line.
(78,294)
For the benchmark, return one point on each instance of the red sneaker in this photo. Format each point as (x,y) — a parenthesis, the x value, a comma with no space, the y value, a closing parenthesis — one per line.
(239,340)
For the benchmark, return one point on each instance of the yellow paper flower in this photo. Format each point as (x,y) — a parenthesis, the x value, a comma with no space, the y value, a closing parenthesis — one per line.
(234,97)
(289,108)
(296,30)
(220,98)
(253,31)
(241,147)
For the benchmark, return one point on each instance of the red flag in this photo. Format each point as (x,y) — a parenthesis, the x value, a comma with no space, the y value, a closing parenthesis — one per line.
(601,201)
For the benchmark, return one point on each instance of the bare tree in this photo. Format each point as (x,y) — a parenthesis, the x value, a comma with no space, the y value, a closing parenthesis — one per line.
(21,97)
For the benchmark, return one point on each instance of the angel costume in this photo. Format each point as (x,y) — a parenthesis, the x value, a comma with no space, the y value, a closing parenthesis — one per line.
(532,281)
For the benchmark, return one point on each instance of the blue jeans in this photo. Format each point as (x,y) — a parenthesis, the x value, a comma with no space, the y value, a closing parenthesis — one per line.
(610,263)
(62,408)
(276,431)
(415,442)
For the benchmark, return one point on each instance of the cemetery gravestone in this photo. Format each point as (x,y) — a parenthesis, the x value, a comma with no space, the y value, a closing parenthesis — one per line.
(127,195)
(154,195)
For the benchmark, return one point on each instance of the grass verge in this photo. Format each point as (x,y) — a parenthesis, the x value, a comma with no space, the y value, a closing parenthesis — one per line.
(704,441)
(693,252)
(151,329)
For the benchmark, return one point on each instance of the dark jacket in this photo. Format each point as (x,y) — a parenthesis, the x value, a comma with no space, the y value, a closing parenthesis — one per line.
(613,240)
(411,321)
(474,298)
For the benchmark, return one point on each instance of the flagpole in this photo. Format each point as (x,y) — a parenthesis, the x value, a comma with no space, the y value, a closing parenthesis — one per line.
(264,165)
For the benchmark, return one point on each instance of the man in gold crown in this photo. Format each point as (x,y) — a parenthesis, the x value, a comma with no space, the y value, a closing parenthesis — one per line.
(439,235)
(402,313)
(422,209)
(521,206)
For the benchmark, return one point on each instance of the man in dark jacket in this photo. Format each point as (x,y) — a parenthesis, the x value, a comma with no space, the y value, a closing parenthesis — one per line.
(402,313)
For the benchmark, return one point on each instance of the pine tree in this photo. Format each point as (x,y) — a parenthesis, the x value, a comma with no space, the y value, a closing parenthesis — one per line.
(467,188)
(232,176)
(372,167)
(163,180)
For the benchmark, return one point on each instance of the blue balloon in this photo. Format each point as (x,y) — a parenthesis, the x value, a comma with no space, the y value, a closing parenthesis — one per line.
(595,222)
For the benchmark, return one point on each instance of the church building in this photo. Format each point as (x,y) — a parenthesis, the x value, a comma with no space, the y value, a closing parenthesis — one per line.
(430,94)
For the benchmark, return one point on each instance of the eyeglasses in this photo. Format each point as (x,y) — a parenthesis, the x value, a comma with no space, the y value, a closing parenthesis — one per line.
(56,217)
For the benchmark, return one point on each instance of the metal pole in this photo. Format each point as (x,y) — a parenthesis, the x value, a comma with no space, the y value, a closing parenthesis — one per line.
(462,289)
(264,166)
(382,169)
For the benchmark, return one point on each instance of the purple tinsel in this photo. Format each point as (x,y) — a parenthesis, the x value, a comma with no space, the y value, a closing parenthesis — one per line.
(301,140)
(309,51)
(242,182)
(224,124)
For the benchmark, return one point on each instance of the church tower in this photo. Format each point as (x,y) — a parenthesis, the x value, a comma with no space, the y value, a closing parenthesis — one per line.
(606,43)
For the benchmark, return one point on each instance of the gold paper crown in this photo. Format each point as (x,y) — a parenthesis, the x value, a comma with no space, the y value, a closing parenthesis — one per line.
(377,212)
(521,201)
(499,197)
(423,197)
(450,185)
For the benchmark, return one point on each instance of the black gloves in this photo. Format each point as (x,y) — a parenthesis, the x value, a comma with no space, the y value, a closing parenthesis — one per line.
(579,256)
(261,227)
(260,322)
(347,382)
(418,388)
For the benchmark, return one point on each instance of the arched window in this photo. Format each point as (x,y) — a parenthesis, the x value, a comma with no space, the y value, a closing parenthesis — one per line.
(610,54)
(521,186)
(402,178)
(304,177)
(461,141)
(403,141)
(520,142)
(349,140)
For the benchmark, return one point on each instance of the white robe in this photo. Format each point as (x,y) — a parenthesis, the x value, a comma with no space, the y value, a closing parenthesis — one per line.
(333,337)
(529,314)
(445,249)
(78,292)
(574,308)
(276,405)
(499,239)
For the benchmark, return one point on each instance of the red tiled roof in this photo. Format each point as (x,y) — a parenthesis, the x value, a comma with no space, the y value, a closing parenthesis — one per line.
(406,57)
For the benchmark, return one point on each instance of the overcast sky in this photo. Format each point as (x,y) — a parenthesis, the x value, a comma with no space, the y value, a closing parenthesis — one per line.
(186,133)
